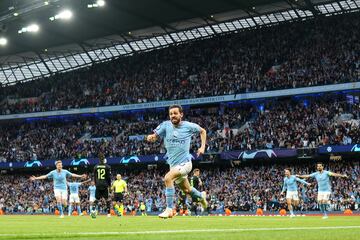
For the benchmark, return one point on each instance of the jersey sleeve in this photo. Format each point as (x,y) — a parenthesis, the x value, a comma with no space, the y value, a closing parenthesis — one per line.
(328,173)
(160,130)
(302,181)
(50,174)
(313,174)
(194,128)
(67,173)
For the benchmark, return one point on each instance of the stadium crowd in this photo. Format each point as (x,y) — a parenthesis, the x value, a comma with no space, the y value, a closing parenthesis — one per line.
(276,124)
(292,55)
(243,188)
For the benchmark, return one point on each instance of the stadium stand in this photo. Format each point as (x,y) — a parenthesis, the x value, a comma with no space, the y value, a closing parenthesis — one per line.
(290,55)
(287,123)
(244,188)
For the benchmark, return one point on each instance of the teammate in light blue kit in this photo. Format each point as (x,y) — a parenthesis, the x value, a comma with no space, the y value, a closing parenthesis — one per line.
(324,186)
(74,196)
(177,138)
(92,191)
(291,188)
(60,187)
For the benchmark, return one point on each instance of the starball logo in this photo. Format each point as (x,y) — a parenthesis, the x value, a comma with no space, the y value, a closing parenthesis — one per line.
(356,148)
(259,153)
(35,163)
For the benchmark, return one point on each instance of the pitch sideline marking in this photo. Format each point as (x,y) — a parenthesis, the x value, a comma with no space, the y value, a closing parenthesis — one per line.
(182,231)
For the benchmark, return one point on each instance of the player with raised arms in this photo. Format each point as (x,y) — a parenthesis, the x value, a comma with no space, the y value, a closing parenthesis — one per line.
(59,176)
(324,186)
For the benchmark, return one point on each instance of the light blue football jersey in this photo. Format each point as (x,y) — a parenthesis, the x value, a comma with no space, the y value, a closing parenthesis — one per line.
(177,140)
(74,187)
(323,180)
(290,183)
(59,178)
(92,190)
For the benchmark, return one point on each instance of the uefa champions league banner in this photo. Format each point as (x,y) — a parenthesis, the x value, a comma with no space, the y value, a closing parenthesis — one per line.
(232,155)
(352,148)
(88,161)
(259,154)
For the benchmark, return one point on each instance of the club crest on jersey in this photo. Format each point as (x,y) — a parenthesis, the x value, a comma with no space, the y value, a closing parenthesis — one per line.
(175,134)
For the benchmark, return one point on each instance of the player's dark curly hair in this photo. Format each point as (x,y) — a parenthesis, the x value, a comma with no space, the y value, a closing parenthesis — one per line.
(101,157)
(176,106)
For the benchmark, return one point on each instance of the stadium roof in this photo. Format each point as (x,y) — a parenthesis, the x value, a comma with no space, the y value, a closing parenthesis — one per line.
(117,17)
(123,27)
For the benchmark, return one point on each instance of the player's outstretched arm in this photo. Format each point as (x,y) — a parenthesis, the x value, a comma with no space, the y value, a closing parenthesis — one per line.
(89,180)
(338,175)
(201,150)
(303,181)
(152,137)
(78,176)
(33,178)
(303,176)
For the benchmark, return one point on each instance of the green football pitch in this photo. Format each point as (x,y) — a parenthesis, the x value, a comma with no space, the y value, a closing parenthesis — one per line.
(235,227)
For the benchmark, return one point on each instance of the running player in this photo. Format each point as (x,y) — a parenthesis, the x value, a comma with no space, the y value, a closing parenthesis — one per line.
(102,175)
(74,196)
(291,188)
(60,187)
(177,138)
(324,186)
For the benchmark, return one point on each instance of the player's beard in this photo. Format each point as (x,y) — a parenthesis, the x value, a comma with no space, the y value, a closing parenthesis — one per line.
(175,121)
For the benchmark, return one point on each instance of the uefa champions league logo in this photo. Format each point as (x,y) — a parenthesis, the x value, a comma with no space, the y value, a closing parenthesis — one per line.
(260,153)
(355,148)
(131,159)
(35,163)
(78,162)
(329,149)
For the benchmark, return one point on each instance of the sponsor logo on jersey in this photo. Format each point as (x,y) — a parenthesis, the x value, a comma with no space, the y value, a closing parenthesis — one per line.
(175,141)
